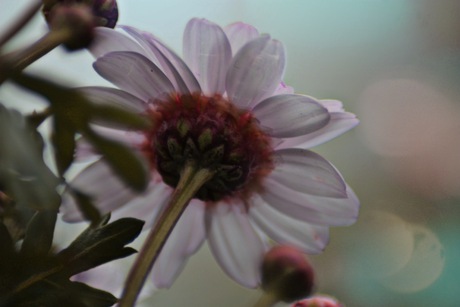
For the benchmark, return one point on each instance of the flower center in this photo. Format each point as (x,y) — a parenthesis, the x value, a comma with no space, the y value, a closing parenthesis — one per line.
(213,134)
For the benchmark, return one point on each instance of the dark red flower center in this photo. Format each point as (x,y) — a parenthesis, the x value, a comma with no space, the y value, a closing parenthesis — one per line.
(211,133)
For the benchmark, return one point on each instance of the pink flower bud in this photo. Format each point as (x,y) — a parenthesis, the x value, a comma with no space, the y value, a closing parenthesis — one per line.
(318,301)
(78,20)
(105,12)
(287,274)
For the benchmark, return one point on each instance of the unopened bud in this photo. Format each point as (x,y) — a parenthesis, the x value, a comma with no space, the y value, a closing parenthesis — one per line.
(318,301)
(78,20)
(105,12)
(287,274)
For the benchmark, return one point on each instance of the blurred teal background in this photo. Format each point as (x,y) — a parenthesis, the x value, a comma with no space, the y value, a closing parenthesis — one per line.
(396,64)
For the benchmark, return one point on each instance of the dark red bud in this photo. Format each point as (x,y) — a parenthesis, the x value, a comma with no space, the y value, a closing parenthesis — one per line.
(287,274)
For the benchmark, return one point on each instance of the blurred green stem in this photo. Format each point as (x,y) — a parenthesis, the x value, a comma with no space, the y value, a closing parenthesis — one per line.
(267,299)
(191,180)
(20,22)
(15,62)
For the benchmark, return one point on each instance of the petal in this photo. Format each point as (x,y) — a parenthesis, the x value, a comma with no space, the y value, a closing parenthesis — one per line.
(307,172)
(177,71)
(339,123)
(239,34)
(108,95)
(290,115)
(332,105)
(311,239)
(147,207)
(234,243)
(313,209)
(102,185)
(208,53)
(283,89)
(108,40)
(185,239)
(255,71)
(135,74)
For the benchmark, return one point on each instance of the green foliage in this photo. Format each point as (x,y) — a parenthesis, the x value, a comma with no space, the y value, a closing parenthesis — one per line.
(35,276)
(73,113)
(23,174)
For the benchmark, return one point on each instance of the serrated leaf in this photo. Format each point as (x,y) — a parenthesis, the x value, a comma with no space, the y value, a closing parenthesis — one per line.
(86,206)
(60,292)
(100,245)
(63,139)
(124,162)
(39,234)
(91,296)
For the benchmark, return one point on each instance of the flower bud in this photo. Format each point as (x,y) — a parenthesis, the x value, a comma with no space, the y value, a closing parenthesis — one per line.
(105,12)
(78,20)
(318,301)
(287,274)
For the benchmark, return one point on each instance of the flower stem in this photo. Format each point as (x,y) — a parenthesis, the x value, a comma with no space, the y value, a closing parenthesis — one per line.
(267,299)
(21,22)
(17,61)
(191,180)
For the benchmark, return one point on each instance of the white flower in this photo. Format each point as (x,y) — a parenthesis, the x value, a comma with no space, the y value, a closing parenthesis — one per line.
(226,107)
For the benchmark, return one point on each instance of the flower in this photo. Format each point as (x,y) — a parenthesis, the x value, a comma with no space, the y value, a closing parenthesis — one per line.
(318,301)
(287,274)
(104,12)
(225,107)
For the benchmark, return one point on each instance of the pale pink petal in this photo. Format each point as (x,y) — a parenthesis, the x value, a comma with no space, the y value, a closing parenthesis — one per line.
(108,40)
(307,172)
(113,96)
(148,206)
(310,208)
(285,230)
(339,123)
(102,185)
(208,54)
(177,71)
(84,151)
(290,115)
(283,89)
(185,239)
(255,71)
(234,243)
(332,105)
(135,74)
(239,34)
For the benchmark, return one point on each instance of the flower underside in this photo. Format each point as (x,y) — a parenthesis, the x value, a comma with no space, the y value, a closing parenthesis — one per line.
(209,133)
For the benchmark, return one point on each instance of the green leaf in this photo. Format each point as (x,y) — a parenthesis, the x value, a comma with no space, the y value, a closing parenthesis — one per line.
(126,164)
(97,245)
(39,234)
(7,247)
(90,296)
(24,175)
(116,117)
(61,292)
(43,280)
(86,206)
(63,139)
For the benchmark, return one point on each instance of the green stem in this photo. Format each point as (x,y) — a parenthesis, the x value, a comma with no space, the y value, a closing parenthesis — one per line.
(191,180)
(17,61)
(20,22)
(267,299)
